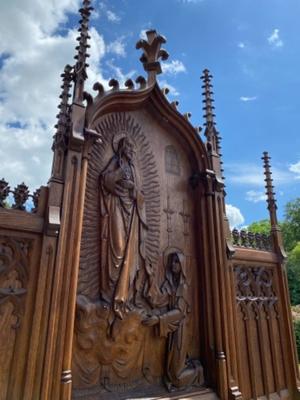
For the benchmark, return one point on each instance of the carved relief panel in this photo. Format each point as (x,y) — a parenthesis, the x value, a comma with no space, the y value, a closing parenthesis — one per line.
(13,284)
(138,283)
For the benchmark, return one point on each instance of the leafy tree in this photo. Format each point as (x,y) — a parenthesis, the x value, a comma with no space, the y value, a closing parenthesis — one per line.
(290,227)
(262,226)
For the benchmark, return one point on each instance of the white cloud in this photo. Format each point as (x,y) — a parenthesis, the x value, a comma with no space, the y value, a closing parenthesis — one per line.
(117,47)
(234,216)
(241,45)
(253,175)
(30,82)
(172,90)
(295,168)
(119,74)
(191,1)
(255,196)
(274,39)
(248,98)
(113,17)
(173,68)
(143,34)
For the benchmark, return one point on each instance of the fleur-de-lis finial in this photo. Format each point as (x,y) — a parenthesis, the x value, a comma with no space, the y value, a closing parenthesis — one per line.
(152,53)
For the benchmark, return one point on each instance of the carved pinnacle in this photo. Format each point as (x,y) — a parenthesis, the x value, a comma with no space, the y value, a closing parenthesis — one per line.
(152,52)
(208,100)
(211,133)
(80,74)
(60,137)
(271,200)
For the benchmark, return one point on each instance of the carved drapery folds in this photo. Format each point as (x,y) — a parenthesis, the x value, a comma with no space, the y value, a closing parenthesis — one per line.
(137,206)
(13,284)
(134,327)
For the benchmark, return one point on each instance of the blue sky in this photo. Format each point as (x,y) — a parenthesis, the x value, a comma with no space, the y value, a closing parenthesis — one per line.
(251,47)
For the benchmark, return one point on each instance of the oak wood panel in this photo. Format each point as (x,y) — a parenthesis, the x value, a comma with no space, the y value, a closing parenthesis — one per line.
(20,221)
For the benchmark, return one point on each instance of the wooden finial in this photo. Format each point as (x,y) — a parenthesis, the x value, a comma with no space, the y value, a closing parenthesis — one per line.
(129,84)
(213,138)
(175,104)
(152,53)
(141,81)
(271,200)
(80,74)
(60,137)
(208,100)
(99,88)
(187,116)
(114,84)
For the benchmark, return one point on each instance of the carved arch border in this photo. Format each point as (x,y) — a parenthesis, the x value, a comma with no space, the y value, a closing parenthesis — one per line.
(153,99)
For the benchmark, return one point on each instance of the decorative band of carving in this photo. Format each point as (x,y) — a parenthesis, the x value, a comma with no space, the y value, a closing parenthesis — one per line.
(251,240)
(66,376)
(254,287)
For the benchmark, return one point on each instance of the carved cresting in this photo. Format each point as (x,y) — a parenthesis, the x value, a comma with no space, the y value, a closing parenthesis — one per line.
(13,284)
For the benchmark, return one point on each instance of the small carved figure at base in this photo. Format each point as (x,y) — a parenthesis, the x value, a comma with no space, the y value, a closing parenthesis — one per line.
(180,371)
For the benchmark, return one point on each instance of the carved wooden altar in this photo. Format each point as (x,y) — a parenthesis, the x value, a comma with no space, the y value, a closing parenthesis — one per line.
(123,280)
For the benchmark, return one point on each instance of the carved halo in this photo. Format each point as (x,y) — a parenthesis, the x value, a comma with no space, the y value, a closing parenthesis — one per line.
(113,128)
(116,140)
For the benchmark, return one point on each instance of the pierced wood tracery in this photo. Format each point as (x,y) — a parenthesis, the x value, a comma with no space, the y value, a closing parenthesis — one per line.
(254,287)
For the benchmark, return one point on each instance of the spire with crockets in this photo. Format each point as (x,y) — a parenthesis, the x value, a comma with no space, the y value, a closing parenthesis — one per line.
(271,200)
(80,74)
(212,135)
(63,116)
(272,207)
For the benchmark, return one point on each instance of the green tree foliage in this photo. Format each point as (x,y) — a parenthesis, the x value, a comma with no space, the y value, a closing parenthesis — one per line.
(290,227)
(297,334)
(291,236)
(262,226)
